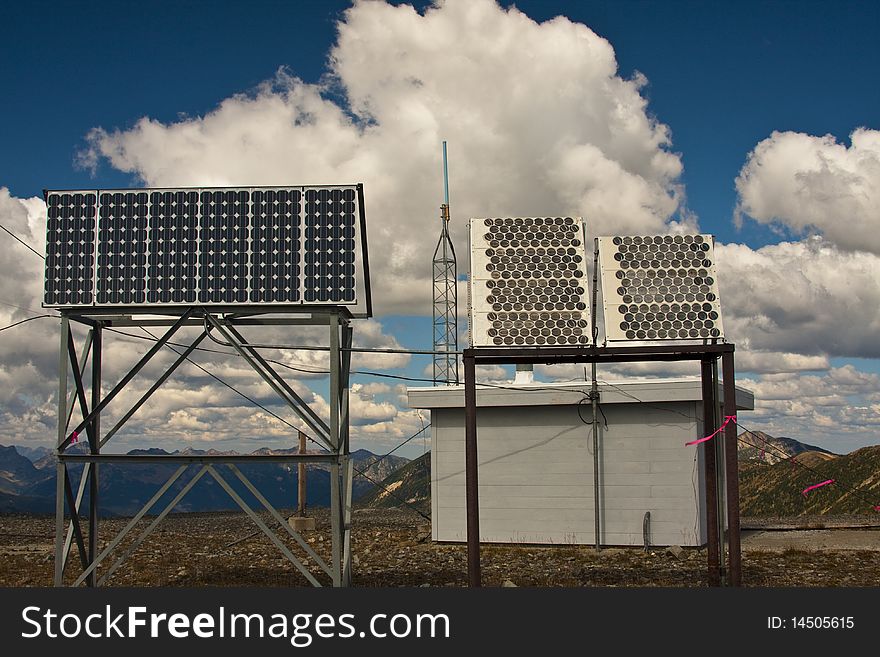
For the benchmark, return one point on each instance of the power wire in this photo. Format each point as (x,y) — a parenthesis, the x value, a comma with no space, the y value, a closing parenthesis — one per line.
(29,319)
(22,242)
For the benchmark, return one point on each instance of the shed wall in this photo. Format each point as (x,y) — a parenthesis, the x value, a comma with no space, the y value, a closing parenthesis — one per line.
(536,474)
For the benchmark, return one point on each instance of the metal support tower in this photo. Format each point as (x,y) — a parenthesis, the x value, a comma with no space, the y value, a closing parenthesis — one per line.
(228,323)
(445,297)
(707,355)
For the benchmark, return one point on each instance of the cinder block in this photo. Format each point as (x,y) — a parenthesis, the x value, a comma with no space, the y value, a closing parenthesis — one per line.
(299,524)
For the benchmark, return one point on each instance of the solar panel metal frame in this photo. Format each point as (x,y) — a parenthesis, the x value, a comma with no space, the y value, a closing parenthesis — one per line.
(96,298)
(479,307)
(613,300)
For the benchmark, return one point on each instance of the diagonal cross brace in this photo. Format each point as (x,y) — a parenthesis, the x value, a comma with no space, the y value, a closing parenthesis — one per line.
(80,392)
(149,530)
(262,525)
(286,525)
(293,400)
(149,393)
(128,377)
(140,514)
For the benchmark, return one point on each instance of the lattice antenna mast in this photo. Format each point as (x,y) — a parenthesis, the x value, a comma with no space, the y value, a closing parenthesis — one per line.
(445,297)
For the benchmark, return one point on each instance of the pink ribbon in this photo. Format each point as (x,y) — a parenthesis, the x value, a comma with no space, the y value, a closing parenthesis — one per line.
(74,437)
(815,486)
(727,419)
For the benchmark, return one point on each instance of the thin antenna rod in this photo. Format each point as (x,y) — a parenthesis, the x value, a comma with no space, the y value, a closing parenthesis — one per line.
(445,178)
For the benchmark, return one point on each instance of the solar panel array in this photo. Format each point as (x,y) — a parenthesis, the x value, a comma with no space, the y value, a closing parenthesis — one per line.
(660,288)
(528,284)
(284,245)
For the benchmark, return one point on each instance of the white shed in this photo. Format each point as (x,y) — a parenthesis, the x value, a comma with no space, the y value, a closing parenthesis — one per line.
(536,462)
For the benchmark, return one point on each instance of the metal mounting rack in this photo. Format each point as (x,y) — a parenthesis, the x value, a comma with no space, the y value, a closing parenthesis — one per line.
(707,354)
(226,321)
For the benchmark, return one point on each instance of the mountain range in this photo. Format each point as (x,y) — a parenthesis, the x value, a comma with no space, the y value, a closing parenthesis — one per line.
(774,472)
(28,486)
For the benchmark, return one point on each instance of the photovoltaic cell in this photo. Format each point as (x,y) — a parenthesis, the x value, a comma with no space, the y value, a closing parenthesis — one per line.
(660,287)
(528,282)
(280,245)
(70,248)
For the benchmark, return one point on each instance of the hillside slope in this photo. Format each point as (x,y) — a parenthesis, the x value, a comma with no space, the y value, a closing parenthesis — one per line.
(776,490)
(409,485)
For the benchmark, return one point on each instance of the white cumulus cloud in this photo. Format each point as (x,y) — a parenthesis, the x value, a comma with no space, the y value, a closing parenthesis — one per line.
(537,118)
(816,184)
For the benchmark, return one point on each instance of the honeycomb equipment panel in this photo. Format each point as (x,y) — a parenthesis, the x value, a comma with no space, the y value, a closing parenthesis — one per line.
(660,287)
(528,283)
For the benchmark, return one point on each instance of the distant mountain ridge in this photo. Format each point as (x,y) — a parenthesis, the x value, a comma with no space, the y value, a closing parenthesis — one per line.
(27,487)
(760,446)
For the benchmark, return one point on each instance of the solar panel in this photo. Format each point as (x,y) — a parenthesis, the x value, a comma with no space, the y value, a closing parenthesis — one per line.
(528,284)
(213,246)
(660,288)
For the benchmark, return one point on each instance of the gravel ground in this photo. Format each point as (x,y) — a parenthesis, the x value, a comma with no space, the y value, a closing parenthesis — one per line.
(393,548)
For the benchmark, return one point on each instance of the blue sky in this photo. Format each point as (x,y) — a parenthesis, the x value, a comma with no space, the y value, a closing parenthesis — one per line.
(721,76)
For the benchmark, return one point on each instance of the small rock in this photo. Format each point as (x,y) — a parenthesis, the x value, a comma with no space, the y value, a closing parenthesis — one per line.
(508,584)
(676,551)
(424,586)
(355,560)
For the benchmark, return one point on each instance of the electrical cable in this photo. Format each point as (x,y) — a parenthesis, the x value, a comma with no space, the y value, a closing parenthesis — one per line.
(22,242)
(24,321)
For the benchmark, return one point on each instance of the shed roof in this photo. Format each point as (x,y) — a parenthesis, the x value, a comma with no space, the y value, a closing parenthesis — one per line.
(630,391)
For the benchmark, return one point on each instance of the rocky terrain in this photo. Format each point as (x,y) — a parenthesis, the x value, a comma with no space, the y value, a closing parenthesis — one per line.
(392,547)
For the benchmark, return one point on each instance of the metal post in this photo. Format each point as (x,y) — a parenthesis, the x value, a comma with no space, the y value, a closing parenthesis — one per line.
(733,537)
(334,381)
(95,448)
(348,464)
(710,477)
(594,396)
(301,479)
(347,479)
(720,486)
(335,523)
(335,488)
(60,470)
(470,464)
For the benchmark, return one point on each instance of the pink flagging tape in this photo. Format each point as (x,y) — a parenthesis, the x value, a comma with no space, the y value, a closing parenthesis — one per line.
(74,437)
(815,486)
(727,419)
(877,508)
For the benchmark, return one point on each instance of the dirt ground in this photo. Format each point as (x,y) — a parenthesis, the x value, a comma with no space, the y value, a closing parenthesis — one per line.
(393,548)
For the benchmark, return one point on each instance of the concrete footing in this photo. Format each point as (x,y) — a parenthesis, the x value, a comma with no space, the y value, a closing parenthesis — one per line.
(301,524)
